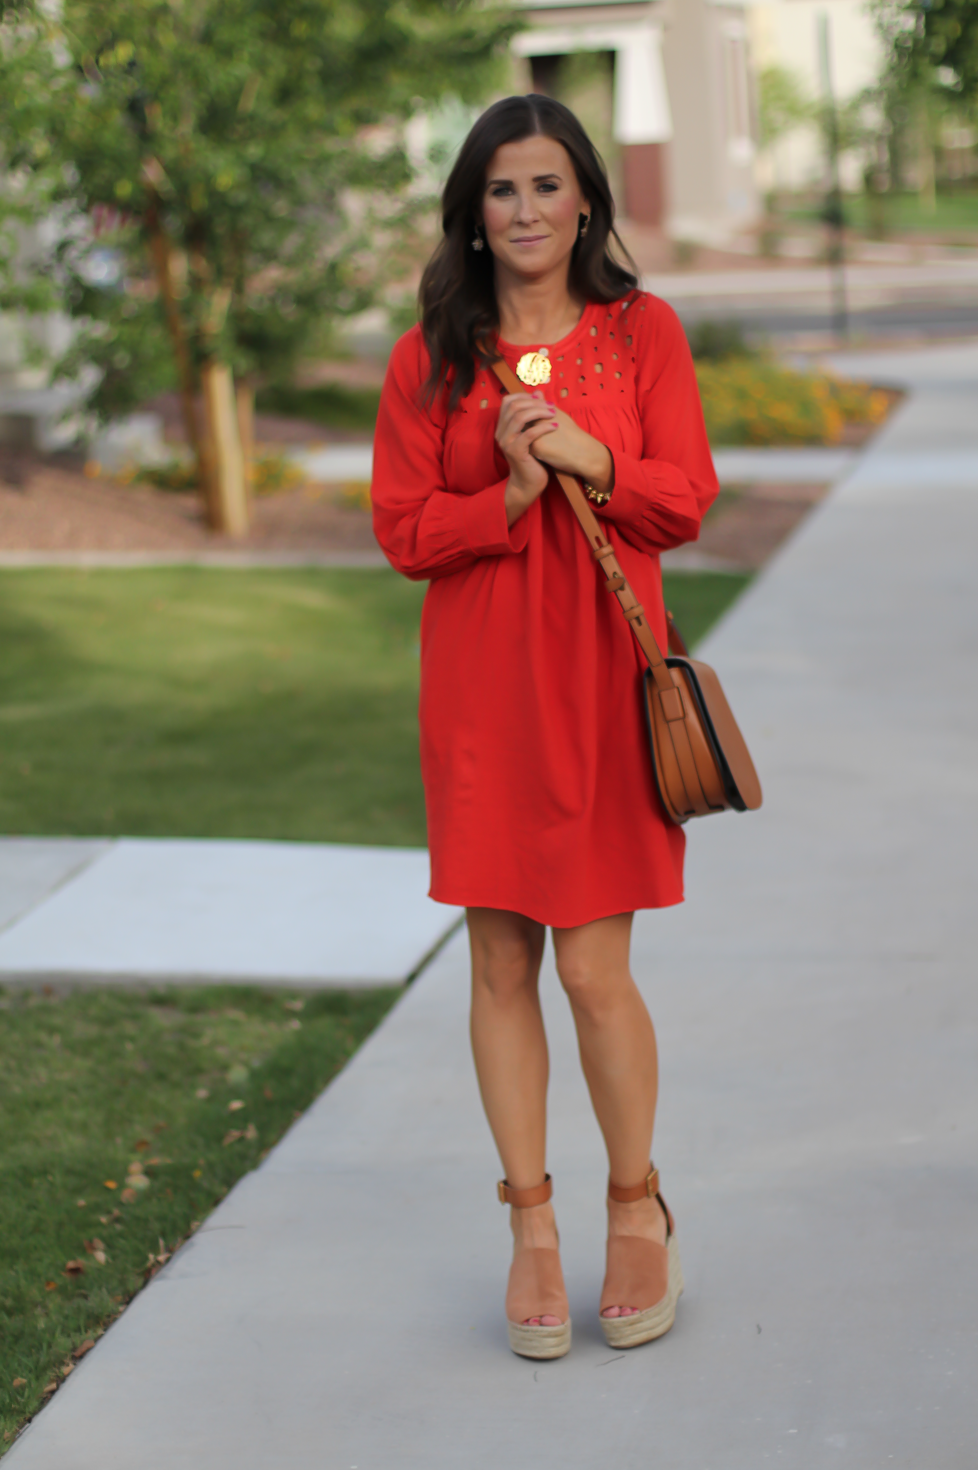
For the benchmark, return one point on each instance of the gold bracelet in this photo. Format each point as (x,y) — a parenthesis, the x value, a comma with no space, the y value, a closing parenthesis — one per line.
(596,497)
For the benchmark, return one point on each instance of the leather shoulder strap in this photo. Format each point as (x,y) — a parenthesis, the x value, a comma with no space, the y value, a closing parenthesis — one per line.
(603,553)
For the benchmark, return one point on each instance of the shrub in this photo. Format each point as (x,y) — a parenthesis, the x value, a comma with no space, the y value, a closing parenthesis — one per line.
(753,401)
(715,341)
(178,475)
(272,472)
(356,494)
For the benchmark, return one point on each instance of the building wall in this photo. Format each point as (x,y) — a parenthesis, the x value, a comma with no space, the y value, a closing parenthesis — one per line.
(682,103)
(631,35)
(710,182)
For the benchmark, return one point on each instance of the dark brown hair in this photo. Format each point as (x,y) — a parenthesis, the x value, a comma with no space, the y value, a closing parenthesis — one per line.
(457,297)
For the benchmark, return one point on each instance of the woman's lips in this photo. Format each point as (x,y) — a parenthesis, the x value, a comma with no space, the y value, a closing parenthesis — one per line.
(528,239)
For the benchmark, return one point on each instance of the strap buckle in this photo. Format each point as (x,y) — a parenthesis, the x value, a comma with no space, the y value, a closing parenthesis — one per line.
(628,1194)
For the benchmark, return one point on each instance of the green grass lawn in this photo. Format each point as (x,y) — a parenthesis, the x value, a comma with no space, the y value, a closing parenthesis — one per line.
(956,212)
(102,1087)
(193,702)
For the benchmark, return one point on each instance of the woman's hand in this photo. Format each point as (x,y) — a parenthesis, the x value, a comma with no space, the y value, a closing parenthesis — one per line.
(524,420)
(572,449)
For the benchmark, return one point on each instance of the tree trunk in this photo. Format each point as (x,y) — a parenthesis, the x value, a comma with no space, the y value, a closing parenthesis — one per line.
(229,503)
(161,252)
(244,394)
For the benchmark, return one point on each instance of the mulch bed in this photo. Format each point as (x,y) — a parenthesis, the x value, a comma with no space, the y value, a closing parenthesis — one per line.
(747,524)
(53,506)
(49,504)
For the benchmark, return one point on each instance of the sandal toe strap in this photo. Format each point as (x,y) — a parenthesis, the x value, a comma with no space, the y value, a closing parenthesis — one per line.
(536,1286)
(637,1274)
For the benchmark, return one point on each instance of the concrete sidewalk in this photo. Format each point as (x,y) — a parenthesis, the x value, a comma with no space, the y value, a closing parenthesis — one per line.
(733,466)
(278,913)
(818,1018)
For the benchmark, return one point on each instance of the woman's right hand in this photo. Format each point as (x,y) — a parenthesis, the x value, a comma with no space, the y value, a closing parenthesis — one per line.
(523,419)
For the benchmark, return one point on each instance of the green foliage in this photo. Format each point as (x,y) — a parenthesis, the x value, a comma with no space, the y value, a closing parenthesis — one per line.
(934,40)
(930,78)
(759,402)
(331,404)
(103,1085)
(231,133)
(121,336)
(715,341)
(177,475)
(782,104)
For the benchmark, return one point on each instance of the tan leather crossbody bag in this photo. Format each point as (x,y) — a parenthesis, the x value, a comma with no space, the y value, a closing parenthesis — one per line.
(701,762)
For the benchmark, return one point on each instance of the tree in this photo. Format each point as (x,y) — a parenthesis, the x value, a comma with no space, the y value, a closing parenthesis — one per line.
(782,105)
(931,75)
(229,136)
(942,34)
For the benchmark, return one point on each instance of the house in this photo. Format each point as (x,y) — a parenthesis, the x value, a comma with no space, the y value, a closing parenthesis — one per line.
(680,78)
(682,131)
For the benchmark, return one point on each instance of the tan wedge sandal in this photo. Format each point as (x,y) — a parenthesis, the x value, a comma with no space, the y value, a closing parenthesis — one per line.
(641,1273)
(536,1286)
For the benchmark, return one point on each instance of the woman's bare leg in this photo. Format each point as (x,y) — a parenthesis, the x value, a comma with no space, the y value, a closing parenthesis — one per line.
(618,1055)
(510,1049)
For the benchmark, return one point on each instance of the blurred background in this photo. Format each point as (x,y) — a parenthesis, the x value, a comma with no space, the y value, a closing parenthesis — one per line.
(212,225)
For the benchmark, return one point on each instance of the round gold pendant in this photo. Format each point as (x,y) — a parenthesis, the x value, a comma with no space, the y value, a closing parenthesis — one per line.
(533,369)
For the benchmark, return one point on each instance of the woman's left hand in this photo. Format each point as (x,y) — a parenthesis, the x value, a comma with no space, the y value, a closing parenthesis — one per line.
(573,450)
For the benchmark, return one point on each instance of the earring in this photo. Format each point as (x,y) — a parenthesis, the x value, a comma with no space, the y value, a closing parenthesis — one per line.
(478,243)
(587,221)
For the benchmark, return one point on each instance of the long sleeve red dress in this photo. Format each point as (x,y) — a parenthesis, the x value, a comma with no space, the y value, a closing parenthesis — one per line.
(538,779)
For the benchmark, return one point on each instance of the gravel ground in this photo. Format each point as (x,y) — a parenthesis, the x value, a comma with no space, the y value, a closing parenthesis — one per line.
(55,507)
(50,505)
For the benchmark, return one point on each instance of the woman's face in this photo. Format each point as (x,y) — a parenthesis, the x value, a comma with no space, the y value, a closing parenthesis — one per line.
(532,205)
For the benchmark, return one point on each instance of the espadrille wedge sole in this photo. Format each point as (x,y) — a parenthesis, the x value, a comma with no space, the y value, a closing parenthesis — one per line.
(536,1286)
(625,1332)
(640,1272)
(540,1342)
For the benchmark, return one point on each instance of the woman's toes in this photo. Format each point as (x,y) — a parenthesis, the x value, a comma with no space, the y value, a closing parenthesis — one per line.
(619,1311)
(547,1321)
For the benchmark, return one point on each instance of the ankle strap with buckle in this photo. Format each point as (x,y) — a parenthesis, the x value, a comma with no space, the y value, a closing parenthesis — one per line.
(648,1189)
(524,1199)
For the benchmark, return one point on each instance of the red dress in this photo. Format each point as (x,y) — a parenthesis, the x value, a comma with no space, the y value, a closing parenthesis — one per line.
(538,779)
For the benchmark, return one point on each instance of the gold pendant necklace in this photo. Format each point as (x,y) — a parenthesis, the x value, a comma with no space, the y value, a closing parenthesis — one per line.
(534,368)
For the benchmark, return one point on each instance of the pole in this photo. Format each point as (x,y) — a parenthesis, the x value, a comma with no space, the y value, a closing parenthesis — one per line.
(833,214)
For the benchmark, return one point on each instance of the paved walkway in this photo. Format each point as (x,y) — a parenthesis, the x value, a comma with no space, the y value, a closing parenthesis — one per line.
(281,913)
(355,462)
(818,1015)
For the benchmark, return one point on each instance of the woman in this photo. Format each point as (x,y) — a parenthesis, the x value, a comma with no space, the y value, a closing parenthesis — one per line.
(540,795)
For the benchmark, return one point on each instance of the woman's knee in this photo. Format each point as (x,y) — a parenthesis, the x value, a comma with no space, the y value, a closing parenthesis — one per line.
(505,956)
(594,989)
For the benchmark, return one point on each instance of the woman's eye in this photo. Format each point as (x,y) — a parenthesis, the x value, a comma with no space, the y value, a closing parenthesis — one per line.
(500,190)
(548,188)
